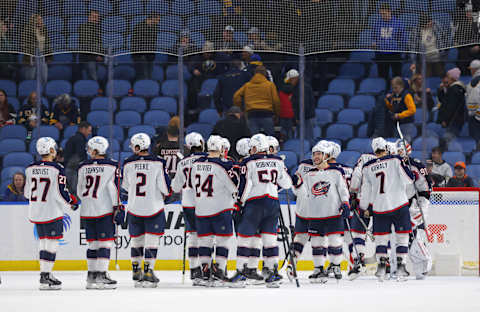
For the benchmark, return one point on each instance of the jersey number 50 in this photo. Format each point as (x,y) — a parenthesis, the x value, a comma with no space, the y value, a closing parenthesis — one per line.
(265,177)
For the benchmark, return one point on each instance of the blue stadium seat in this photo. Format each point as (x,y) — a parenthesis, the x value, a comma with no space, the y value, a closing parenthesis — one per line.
(156,118)
(131,7)
(474,172)
(172,72)
(203,129)
(113,147)
(442,19)
(9,87)
(117,132)
(164,103)
(54,7)
(464,145)
(114,24)
(158,73)
(410,20)
(74,22)
(143,128)
(323,117)
(14,102)
(209,116)
(133,103)
(19,159)
(124,72)
(433,83)
(12,145)
(199,23)
(340,131)
(128,118)
(124,155)
(126,146)
(291,159)
(198,39)
(120,87)
(363,56)
(183,7)
(209,7)
(104,7)
(341,86)
(13,132)
(73,8)
(8,172)
(351,116)
(294,146)
(419,5)
(171,23)
(156,6)
(452,157)
(137,19)
(333,103)
(362,131)
(476,158)
(365,39)
(241,38)
(351,71)
(452,55)
(59,72)
(26,87)
(113,40)
(348,158)
(42,131)
(98,118)
(85,88)
(208,87)
(317,133)
(70,131)
(55,88)
(364,102)
(435,129)
(431,142)
(444,5)
(101,103)
(165,42)
(372,86)
(170,88)
(146,88)
(410,128)
(359,145)
(54,24)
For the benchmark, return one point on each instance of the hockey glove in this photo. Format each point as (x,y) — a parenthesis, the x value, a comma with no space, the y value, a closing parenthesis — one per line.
(345,209)
(73,202)
(119,215)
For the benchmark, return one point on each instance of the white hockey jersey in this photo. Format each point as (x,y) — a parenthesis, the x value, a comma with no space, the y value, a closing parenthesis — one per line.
(356,179)
(97,187)
(46,190)
(422,184)
(146,181)
(347,171)
(384,184)
(323,192)
(214,189)
(301,207)
(182,183)
(261,176)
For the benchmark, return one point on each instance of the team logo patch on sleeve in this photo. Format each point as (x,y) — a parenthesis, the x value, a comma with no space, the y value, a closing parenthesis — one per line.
(320,188)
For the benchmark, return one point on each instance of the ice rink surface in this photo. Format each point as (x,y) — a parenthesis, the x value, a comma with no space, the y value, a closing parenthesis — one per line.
(19,292)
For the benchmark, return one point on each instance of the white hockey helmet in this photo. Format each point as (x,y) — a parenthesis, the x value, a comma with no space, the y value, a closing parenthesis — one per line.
(324,147)
(401,148)
(260,142)
(336,149)
(194,139)
(243,147)
(142,140)
(215,143)
(225,144)
(379,144)
(273,143)
(45,144)
(392,148)
(98,143)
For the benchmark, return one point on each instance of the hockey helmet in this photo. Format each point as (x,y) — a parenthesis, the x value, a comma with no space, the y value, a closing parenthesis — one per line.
(194,139)
(243,147)
(336,149)
(225,144)
(99,144)
(379,144)
(45,144)
(260,142)
(401,148)
(324,147)
(142,140)
(215,143)
(392,148)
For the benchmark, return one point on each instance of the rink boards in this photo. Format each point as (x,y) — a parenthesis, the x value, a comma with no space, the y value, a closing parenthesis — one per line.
(453,229)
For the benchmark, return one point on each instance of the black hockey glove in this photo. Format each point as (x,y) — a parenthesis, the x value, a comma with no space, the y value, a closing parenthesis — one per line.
(119,215)
(345,209)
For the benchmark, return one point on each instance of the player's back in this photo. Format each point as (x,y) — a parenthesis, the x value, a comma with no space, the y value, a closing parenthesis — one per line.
(147,182)
(168,150)
(263,175)
(46,190)
(388,178)
(181,181)
(97,187)
(356,177)
(214,188)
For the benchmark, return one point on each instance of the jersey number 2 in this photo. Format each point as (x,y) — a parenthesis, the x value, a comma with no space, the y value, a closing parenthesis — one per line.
(382,181)
(142,182)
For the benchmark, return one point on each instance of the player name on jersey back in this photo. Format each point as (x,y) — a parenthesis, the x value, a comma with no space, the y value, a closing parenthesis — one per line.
(181,181)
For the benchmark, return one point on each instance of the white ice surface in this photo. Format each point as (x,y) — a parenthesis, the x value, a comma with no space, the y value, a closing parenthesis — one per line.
(19,292)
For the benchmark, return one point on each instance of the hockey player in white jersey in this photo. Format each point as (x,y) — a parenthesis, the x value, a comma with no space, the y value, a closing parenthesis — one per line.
(145,178)
(46,190)
(383,193)
(182,183)
(211,178)
(262,175)
(98,189)
(325,193)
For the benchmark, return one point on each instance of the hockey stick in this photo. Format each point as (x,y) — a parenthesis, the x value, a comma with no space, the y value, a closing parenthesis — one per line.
(292,259)
(367,231)
(184,259)
(290,228)
(117,266)
(410,167)
(347,222)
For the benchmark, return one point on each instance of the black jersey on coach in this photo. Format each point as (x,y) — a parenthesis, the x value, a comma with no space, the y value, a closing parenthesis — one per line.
(168,150)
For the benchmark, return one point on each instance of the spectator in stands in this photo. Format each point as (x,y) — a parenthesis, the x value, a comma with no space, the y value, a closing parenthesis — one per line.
(451,96)
(184,42)
(461,179)
(440,167)
(65,112)
(255,40)
(35,39)
(228,84)
(402,108)
(228,44)
(7,112)
(233,127)
(287,115)
(261,101)
(28,115)
(144,38)
(473,101)
(90,39)
(75,153)
(388,35)
(466,33)
(14,191)
(8,61)
(436,179)
(416,89)
(292,78)
(247,53)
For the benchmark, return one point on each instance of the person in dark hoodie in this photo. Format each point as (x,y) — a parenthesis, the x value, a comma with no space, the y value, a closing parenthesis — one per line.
(233,127)
(473,101)
(228,84)
(451,96)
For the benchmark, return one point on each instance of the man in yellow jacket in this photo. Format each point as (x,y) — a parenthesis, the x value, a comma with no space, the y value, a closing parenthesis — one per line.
(261,101)
(402,108)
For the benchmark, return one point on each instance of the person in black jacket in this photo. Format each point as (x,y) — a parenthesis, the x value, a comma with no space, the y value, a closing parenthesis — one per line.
(76,152)
(233,127)
(27,115)
(451,95)
(144,38)
(461,179)
(65,112)
(90,40)
(228,84)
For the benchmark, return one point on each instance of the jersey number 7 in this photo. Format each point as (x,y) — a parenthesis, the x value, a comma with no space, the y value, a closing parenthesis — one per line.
(382,181)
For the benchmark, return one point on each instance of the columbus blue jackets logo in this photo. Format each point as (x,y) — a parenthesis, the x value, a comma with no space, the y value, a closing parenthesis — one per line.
(67,222)
(320,188)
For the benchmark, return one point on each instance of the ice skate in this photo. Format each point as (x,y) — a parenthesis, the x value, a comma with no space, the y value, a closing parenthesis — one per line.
(274,279)
(358,269)
(253,278)
(149,279)
(137,274)
(49,282)
(381,269)
(238,280)
(91,280)
(196,276)
(205,277)
(402,272)
(319,276)
(104,281)
(218,278)
(337,272)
